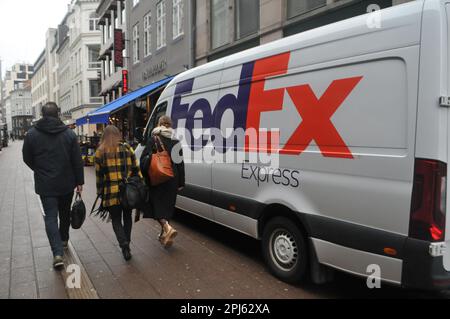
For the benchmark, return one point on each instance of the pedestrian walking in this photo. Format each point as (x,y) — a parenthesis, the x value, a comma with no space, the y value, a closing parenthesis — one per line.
(52,151)
(163,196)
(114,162)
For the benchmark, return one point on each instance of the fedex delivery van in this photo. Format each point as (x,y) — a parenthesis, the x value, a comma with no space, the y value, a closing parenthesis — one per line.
(356,115)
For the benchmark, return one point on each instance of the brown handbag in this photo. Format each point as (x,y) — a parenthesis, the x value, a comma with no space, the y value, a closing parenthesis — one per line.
(160,169)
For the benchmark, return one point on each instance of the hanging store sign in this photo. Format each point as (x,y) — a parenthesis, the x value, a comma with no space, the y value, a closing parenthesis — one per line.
(118,47)
(124,82)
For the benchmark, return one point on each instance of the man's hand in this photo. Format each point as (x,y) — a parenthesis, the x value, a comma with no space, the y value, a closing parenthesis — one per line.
(79,189)
(180,189)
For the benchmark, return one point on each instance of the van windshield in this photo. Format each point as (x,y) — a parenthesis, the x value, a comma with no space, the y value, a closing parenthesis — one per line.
(159,111)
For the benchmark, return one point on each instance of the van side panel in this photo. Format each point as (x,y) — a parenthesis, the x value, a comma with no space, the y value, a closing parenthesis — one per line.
(376,121)
(352,91)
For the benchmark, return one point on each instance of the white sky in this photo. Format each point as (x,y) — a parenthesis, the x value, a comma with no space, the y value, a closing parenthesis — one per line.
(23,24)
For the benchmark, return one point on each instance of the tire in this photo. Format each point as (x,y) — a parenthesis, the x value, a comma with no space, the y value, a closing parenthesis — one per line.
(285,250)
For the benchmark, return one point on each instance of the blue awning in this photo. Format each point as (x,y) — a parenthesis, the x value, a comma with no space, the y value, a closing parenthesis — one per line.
(81,121)
(101,115)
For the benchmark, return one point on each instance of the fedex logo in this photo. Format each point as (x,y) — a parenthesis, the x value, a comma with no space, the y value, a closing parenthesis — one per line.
(252,99)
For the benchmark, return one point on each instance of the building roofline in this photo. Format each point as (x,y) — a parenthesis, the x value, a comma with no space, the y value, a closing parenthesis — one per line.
(39,62)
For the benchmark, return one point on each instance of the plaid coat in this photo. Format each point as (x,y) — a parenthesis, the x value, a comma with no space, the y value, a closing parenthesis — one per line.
(110,171)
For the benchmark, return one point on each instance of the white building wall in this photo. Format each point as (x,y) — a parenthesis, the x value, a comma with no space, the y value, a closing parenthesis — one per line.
(80,38)
(21,103)
(8,114)
(39,89)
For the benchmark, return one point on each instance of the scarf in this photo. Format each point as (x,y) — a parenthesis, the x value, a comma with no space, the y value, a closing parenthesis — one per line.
(163,131)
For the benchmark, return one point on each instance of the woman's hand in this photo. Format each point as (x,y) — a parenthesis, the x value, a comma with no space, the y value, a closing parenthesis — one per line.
(180,188)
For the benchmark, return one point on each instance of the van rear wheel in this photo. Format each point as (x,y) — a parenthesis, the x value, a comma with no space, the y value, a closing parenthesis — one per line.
(284,249)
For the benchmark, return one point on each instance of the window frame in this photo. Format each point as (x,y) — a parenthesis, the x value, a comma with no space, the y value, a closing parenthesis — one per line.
(237,25)
(227,40)
(148,34)
(136,43)
(161,25)
(177,19)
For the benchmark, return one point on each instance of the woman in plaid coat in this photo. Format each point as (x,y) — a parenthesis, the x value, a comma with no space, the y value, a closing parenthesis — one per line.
(110,170)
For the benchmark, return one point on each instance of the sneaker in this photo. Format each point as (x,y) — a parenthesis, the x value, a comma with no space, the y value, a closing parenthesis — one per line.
(65,244)
(58,262)
(169,234)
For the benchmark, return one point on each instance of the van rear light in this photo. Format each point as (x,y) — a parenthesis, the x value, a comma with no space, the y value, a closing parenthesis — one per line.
(428,202)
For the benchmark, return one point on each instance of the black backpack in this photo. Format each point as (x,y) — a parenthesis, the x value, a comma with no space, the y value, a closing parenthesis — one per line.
(78,212)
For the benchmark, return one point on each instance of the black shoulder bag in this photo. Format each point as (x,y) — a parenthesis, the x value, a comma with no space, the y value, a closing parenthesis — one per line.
(133,192)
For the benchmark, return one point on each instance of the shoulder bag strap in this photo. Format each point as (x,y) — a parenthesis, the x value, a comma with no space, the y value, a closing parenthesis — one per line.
(158,139)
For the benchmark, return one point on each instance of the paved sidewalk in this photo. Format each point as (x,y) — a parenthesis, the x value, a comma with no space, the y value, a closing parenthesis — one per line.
(25,256)
(197,266)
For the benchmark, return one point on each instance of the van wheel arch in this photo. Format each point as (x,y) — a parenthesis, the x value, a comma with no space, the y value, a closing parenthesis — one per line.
(274,210)
(284,243)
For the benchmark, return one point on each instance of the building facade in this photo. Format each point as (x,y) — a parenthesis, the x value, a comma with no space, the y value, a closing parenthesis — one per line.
(7,114)
(160,42)
(20,103)
(224,27)
(44,82)
(84,40)
(39,85)
(2,103)
(112,22)
(18,77)
(160,37)
(64,70)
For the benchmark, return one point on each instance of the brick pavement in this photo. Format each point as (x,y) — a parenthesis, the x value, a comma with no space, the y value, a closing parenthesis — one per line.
(206,261)
(25,257)
(198,266)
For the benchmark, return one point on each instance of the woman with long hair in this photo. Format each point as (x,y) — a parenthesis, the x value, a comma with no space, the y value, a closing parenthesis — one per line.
(163,196)
(114,162)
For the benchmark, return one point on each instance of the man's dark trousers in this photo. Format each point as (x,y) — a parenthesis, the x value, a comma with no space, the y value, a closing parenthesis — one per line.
(54,206)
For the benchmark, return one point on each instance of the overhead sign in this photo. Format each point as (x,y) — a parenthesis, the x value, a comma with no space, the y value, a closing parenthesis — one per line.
(118,47)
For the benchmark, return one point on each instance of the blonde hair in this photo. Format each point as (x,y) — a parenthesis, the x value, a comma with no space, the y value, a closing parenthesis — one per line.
(110,139)
(165,121)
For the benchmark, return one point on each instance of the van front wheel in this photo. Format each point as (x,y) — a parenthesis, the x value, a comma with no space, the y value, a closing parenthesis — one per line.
(285,250)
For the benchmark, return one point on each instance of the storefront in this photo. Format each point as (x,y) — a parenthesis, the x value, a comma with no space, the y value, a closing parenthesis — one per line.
(129,112)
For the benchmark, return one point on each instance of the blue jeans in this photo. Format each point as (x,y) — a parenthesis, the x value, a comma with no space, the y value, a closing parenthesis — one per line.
(54,206)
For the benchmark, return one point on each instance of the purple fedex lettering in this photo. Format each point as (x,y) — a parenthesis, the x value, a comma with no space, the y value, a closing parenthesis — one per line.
(237,104)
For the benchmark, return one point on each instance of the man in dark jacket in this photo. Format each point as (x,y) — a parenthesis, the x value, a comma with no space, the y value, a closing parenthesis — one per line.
(52,151)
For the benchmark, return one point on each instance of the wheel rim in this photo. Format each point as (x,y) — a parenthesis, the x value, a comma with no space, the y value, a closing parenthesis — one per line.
(283,249)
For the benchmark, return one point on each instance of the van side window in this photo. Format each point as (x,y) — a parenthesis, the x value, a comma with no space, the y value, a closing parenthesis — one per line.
(160,110)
